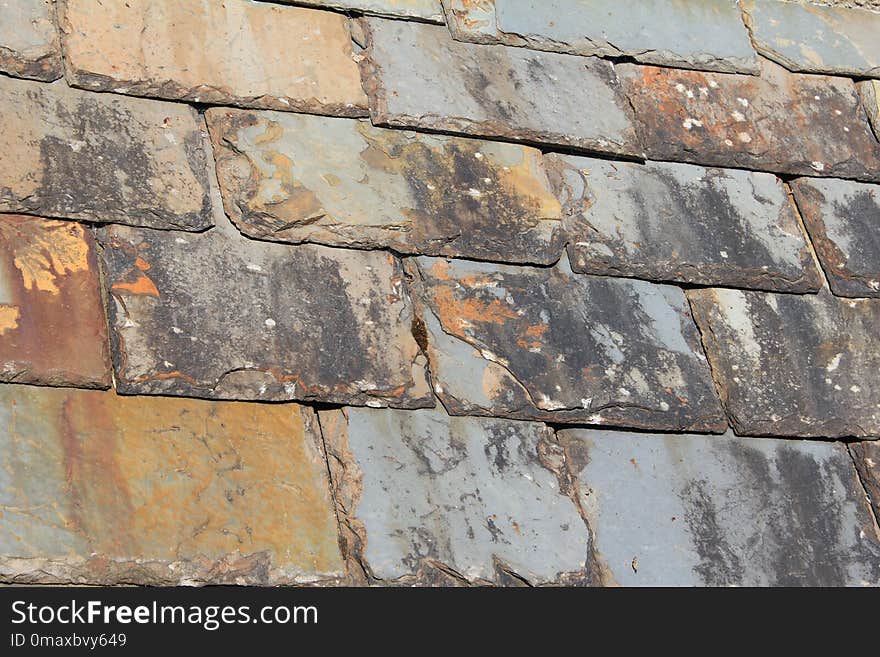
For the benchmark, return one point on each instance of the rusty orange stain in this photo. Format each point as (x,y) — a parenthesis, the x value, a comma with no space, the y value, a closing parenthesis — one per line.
(45,249)
(9,316)
(535,332)
(142,286)
(141,264)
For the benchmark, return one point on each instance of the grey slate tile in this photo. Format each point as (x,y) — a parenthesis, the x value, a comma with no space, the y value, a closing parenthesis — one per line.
(80,155)
(298,178)
(690,510)
(843,219)
(416,75)
(29,45)
(780,122)
(474,495)
(815,39)
(548,344)
(790,365)
(679,222)
(216,315)
(707,35)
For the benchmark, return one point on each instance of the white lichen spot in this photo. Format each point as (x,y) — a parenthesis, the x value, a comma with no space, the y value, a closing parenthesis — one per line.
(690,122)
(179,240)
(704,91)
(727,142)
(834,363)
(252,267)
(713,84)
(438,389)
(744,137)
(723,254)
(680,88)
(837,387)
(664,406)
(624,392)
(478,155)
(270,323)
(474,193)
(167,364)
(290,388)
(743,101)
(817,97)
(176,330)
(855,389)
(586,401)
(738,116)
(818,166)
(374,404)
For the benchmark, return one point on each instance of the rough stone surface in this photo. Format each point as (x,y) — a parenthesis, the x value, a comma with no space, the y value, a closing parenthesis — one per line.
(791,365)
(781,121)
(52,325)
(238,52)
(679,222)
(29,46)
(424,10)
(815,39)
(866,456)
(707,35)
(474,496)
(417,76)
(548,344)
(74,154)
(299,178)
(216,315)
(843,219)
(161,491)
(692,510)
(869,90)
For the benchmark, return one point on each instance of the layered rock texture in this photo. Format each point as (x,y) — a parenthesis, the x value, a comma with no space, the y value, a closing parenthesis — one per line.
(440,293)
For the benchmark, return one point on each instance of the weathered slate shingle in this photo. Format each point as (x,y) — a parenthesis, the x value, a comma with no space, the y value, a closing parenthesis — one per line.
(707,35)
(424,10)
(866,456)
(52,325)
(548,344)
(239,52)
(29,45)
(692,510)
(679,222)
(161,491)
(781,122)
(416,76)
(790,365)
(299,178)
(816,39)
(843,219)
(75,154)
(869,91)
(474,495)
(216,315)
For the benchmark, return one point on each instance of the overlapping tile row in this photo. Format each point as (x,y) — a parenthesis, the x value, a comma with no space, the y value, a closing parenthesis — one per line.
(29,45)
(707,35)
(102,489)
(234,52)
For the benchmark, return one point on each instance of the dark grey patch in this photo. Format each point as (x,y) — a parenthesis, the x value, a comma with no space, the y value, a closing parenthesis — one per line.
(719,563)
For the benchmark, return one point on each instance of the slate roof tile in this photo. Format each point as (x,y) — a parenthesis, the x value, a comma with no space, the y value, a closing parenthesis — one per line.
(215,315)
(235,52)
(547,344)
(843,218)
(815,39)
(52,325)
(866,456)
(707,35)
(98,157)
(780,122)
(298,178)
(680,222)
(475,495)
(869,90)
(690,510)
(137,490)
(29,45)
(792,365)
(416,76)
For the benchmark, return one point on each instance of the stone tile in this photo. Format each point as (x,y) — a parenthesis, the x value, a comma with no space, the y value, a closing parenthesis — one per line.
(424,10)
(815,39)
(478,496)
(75,154)
(29,46)
(692,510)
(551,345)
(707,35)
(161,491)
(843,219)
(866,456)
(791,365)
(417,76)
(52,325)
(869,91)
(679,222)
(781,122)
(254,54)
(300,178)
(216,315)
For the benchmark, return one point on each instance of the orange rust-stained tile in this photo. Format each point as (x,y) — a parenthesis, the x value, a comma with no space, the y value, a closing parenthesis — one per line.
(161,490)
(53,329)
